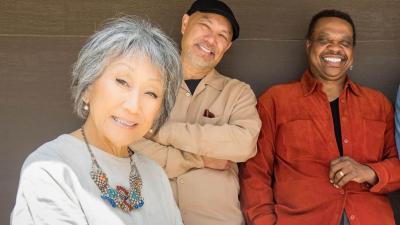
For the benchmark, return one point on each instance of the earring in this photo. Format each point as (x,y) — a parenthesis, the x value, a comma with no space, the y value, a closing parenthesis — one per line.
(351,67)
(151,130)
(86,107)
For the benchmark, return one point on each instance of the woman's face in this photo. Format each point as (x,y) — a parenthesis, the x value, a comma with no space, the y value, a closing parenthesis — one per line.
(124,101)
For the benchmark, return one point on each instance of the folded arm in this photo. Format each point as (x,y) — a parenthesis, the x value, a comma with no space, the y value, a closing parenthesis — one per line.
(234,140)
(174,161)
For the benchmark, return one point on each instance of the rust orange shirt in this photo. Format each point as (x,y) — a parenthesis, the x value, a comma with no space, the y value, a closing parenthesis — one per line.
(287,182)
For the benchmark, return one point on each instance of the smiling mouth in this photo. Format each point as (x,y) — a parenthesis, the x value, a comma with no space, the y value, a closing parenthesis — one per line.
(124,123)
(333,60)
(206,49)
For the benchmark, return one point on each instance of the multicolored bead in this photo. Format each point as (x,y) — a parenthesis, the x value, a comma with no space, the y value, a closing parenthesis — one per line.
(120,196)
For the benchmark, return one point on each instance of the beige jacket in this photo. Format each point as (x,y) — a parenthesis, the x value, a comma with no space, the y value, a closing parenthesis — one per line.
(206,196)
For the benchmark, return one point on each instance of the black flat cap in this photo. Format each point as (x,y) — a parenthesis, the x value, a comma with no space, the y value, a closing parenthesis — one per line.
(218,7)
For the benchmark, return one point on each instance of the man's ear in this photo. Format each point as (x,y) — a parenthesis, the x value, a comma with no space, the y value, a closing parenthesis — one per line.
(228,47)
(308,45)
(185,21)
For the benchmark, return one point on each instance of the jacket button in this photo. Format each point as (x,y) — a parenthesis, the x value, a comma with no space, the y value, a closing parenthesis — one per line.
(346,141)
(188,94)
(352,217)
(365,186)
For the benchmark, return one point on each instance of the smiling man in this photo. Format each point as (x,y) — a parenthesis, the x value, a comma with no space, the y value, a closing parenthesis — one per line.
(327,151)
(213,125)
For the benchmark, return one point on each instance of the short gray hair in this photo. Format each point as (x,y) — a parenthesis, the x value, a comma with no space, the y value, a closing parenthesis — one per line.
(126,36)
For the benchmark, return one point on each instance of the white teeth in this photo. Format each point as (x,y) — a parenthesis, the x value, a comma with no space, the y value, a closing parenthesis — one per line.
(331,59)
(205,49)
(124,122)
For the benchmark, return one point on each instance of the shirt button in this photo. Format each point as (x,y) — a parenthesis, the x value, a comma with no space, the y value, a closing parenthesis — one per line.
(180,180)
(365,186)
(188,94)
(352,217)
(341,191)
(346,141)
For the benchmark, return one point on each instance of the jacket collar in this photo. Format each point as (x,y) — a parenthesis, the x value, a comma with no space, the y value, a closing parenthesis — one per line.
(212,79)
(215,80)
(309,84)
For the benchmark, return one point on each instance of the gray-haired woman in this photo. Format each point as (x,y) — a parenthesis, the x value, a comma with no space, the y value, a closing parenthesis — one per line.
(124,85)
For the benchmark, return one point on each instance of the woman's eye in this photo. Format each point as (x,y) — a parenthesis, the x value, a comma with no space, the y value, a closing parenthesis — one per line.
(121,82)
(152,94)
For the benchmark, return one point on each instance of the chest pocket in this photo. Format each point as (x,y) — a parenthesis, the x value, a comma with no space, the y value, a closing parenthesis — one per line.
(213,115)
(373,140)
(298,140)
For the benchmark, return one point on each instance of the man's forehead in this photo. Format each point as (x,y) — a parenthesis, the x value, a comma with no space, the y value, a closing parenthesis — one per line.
(328,22)
(214,18)
(331,25)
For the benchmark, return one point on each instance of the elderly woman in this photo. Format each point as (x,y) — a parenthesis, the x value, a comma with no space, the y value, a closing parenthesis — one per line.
(124,85)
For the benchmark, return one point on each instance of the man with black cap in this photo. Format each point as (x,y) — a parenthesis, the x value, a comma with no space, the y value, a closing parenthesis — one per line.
(213,125)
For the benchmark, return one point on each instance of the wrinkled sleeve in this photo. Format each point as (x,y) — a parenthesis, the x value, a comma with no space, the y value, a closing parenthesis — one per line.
(174,161)
(387,170)
(234,141)
(256,175)
(398,121)
(42,199)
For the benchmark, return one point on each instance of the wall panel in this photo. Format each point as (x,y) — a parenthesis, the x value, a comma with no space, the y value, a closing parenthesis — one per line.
(40,39)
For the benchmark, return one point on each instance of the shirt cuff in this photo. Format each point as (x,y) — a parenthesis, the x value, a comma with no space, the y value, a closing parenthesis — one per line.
(383,177)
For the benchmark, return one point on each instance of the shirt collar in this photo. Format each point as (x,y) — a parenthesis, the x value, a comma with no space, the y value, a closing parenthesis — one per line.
(214,79)
(310,84)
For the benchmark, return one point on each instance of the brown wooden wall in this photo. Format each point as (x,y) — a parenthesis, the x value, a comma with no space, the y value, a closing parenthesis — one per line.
(40,39)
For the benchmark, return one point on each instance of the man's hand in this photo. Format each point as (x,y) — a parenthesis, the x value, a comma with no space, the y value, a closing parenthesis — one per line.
(345,169)
(216,164)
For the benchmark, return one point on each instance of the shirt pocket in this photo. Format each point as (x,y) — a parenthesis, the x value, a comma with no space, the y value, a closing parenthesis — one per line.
(296,139)
(374,140)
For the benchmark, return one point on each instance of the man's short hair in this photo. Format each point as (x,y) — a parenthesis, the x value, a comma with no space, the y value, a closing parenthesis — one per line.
(330,13)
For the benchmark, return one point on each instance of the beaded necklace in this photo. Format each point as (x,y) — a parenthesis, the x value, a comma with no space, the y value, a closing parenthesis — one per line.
(117,197)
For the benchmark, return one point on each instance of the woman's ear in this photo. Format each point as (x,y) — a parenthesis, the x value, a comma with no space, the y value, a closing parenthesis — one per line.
(86,94)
